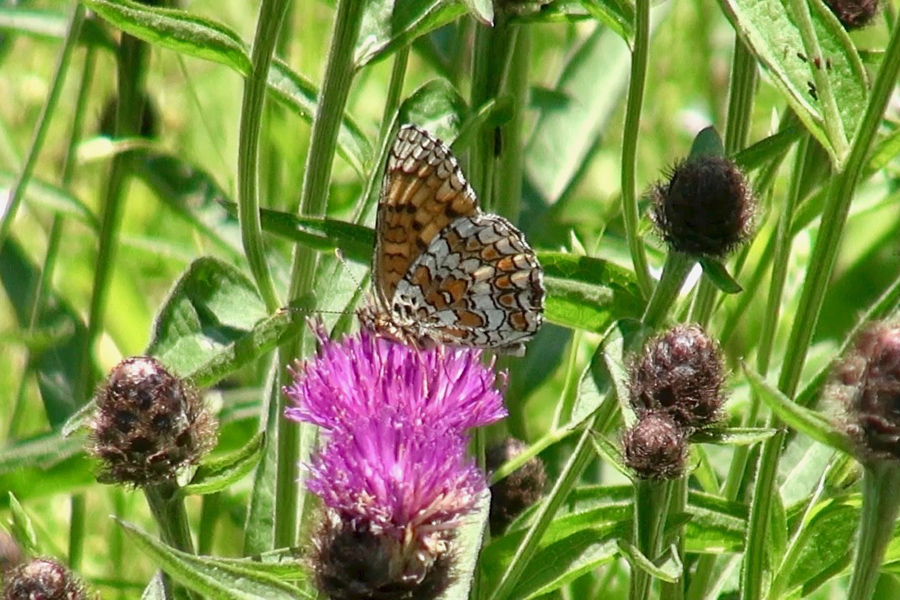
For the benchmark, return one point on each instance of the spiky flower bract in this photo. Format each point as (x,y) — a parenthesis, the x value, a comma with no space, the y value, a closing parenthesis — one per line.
(854,14)
(867,383)
(392,473)
(679,372)
(706,208)
(149,424)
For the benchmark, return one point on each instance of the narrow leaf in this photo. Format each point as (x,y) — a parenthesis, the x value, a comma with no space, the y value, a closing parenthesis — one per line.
(733,436)
(216,475)
(719,276)
(707,143)
(637,560)
(392,24)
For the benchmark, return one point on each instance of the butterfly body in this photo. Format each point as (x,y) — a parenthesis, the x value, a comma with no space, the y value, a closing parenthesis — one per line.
(444,271)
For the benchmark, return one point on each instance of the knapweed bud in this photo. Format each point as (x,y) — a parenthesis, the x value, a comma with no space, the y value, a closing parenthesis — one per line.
(656,447)
(854,14)
(517,491)
(867,382)
(706,208)
(679,372)
(352,562)
(42,579)
(148,424)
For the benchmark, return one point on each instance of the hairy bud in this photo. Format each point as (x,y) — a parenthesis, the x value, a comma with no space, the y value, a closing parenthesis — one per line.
(519,490)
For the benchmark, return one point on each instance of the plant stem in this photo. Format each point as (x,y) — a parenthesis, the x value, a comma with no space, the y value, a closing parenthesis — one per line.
(339,71)
(881,501)
(508,198)
(821,266)
(639,58)
(49,109)
(651,499)
(677,506)
(271,14)
(675,271)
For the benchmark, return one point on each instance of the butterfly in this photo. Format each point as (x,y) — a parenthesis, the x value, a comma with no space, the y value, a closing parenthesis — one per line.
(443,271)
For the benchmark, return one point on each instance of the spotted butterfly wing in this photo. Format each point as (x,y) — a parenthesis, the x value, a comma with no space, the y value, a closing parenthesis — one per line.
(444,271)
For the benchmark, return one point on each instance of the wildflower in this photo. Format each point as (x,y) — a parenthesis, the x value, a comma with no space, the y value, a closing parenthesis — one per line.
(392,474)
(42,578)
(867,381)
(149,424)
(706,208)
(656,447)
(679,372)
(517,491)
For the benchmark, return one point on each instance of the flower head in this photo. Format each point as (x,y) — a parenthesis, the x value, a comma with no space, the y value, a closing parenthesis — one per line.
(854,14)
(656,447)
(392,473)
(517,491)
(867,381)
(706,207)
(149,424)
(42,578)
(679,372)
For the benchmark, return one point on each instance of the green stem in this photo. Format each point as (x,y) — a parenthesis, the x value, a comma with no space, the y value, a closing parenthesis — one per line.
(834,127)
(167,507)
(508,198)
(271,14)
(881,501)
(49,109)
(639,58)
(821,266)
(651,499)
(339,71)
(677,507)
(675,271)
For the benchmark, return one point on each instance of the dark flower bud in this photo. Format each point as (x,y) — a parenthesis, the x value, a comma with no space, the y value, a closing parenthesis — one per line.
(867,382)
(352,561)
(148,424)
(854,14)
(42,579)
(656,447)
(519,490)
(679,372)
(10,553)
(706,208)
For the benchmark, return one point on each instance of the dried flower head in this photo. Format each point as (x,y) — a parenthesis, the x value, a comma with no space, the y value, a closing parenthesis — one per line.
(706,207)
(393,473)
(149,424)
(656,447)
(680,372)
(42,579)
(867,382)
(854,14)
(517,491)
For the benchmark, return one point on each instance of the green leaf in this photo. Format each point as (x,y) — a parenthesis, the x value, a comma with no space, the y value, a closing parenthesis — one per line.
(213,322)
(767,149)
(41,194)
(716,525)
(733,436)
(64,475)
(156,589)
(22,528)
(772,34)
(209,577)
(719,276)
(637,560)
(216,475)
(437,107)
(616,14)
(177,30)
(203,38)
(57,368)
(567,131)
(797,417)
(588,293)
(388,25)
(707,143)
(824,542)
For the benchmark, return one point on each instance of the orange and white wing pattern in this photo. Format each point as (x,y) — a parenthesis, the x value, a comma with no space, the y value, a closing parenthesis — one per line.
(444,272)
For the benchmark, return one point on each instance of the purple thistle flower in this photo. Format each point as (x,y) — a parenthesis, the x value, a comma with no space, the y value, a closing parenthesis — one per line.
(393,471)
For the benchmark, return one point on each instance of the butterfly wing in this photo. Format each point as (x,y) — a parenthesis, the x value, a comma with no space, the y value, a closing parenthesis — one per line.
(423,191)
(476,284)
